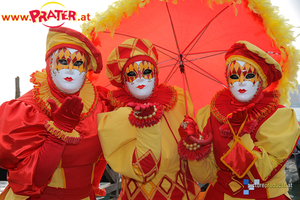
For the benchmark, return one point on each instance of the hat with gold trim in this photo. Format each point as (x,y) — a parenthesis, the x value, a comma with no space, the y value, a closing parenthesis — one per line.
(130,51)
(268,69)
(60,37)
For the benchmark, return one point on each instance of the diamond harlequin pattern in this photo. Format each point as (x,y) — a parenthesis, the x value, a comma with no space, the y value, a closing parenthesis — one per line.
(165,189)
(132,187)
(67,53)
(124,52)
(148,188)
(142,46)
(166,184)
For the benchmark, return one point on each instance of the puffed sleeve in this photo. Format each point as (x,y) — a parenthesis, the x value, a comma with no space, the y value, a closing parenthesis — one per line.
(204,171)
(22,132)
(276,139)
(130,151)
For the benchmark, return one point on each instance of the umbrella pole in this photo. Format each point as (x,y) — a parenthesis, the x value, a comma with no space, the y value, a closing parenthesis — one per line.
(184,89)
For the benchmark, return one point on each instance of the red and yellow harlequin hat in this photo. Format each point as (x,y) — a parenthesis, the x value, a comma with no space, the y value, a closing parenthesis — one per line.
(268,69)
(65,37)
(128,52)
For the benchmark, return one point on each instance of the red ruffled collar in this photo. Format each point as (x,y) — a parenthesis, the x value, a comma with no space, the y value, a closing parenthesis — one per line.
(42,92)
(162,94)
(222,105)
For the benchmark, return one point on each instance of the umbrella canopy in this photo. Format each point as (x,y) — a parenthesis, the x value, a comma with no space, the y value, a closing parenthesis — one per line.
(196,34)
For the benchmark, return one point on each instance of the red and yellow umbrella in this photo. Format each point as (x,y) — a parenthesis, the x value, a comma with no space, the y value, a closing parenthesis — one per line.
(195,35)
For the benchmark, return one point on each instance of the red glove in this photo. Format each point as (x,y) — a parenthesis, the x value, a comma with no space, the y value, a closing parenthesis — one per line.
(142,109)
(190,133)
(68,115)
(145,114)
(188,128)
(238,117)
(193,145)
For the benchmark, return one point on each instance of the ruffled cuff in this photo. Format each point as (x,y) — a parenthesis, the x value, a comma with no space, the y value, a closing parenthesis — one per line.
(99,192)
(193,151)
(146,119)
(68,137)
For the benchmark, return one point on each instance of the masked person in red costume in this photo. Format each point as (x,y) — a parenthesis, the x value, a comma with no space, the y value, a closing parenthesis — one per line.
(253,135)
(139,139)
(48,137)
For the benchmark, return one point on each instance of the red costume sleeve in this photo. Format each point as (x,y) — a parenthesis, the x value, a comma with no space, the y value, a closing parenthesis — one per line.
(98,173)
(22,133)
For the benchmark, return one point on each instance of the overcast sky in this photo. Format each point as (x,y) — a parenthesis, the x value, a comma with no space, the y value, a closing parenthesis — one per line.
(23,44)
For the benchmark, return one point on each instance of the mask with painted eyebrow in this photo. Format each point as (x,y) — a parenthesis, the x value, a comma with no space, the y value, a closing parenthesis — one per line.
(143,69)
(241,71)
(66,58)
(243,81)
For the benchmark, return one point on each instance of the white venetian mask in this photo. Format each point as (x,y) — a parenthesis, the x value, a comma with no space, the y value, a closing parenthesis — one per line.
(68,69)
(243,80)
(140,79)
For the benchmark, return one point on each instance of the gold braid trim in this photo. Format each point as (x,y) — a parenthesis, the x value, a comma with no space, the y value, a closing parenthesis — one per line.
(68,137)
(41,93)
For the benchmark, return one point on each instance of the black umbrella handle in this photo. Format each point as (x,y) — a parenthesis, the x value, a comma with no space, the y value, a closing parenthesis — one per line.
(181,66)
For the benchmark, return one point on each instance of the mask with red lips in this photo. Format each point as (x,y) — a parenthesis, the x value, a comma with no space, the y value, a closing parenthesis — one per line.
(243,81)
(68,69)
(140,79)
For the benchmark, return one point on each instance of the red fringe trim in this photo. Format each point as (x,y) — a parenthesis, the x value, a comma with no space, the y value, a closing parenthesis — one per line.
(99,192)
(148,122)
(60,134)
(163,94)
(93,106)
(197,154)
(249,127)
(220,105)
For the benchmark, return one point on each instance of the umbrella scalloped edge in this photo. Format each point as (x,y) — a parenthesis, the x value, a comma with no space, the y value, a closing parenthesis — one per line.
(276,27)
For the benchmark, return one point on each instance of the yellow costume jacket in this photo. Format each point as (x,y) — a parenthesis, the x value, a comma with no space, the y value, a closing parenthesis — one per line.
(147,157)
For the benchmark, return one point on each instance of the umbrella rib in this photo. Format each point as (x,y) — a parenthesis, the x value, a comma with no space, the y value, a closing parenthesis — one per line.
(198,36)
(216,53)
(172,28)
(165,49)
(206,56)
(169,75)
(217,80)
(204,52)
(209,77)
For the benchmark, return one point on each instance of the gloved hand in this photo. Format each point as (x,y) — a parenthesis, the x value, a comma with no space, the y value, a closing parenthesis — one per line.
(142,110)
(193,144)
(190,133)
(68,115)
(147,114)
(238,117)
(188,128)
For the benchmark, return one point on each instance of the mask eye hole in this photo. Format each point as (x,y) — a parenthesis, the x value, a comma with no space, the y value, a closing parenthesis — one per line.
(63,61)
(131,73)
(147,72)
(78,63)
(250,75)
(234,76)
